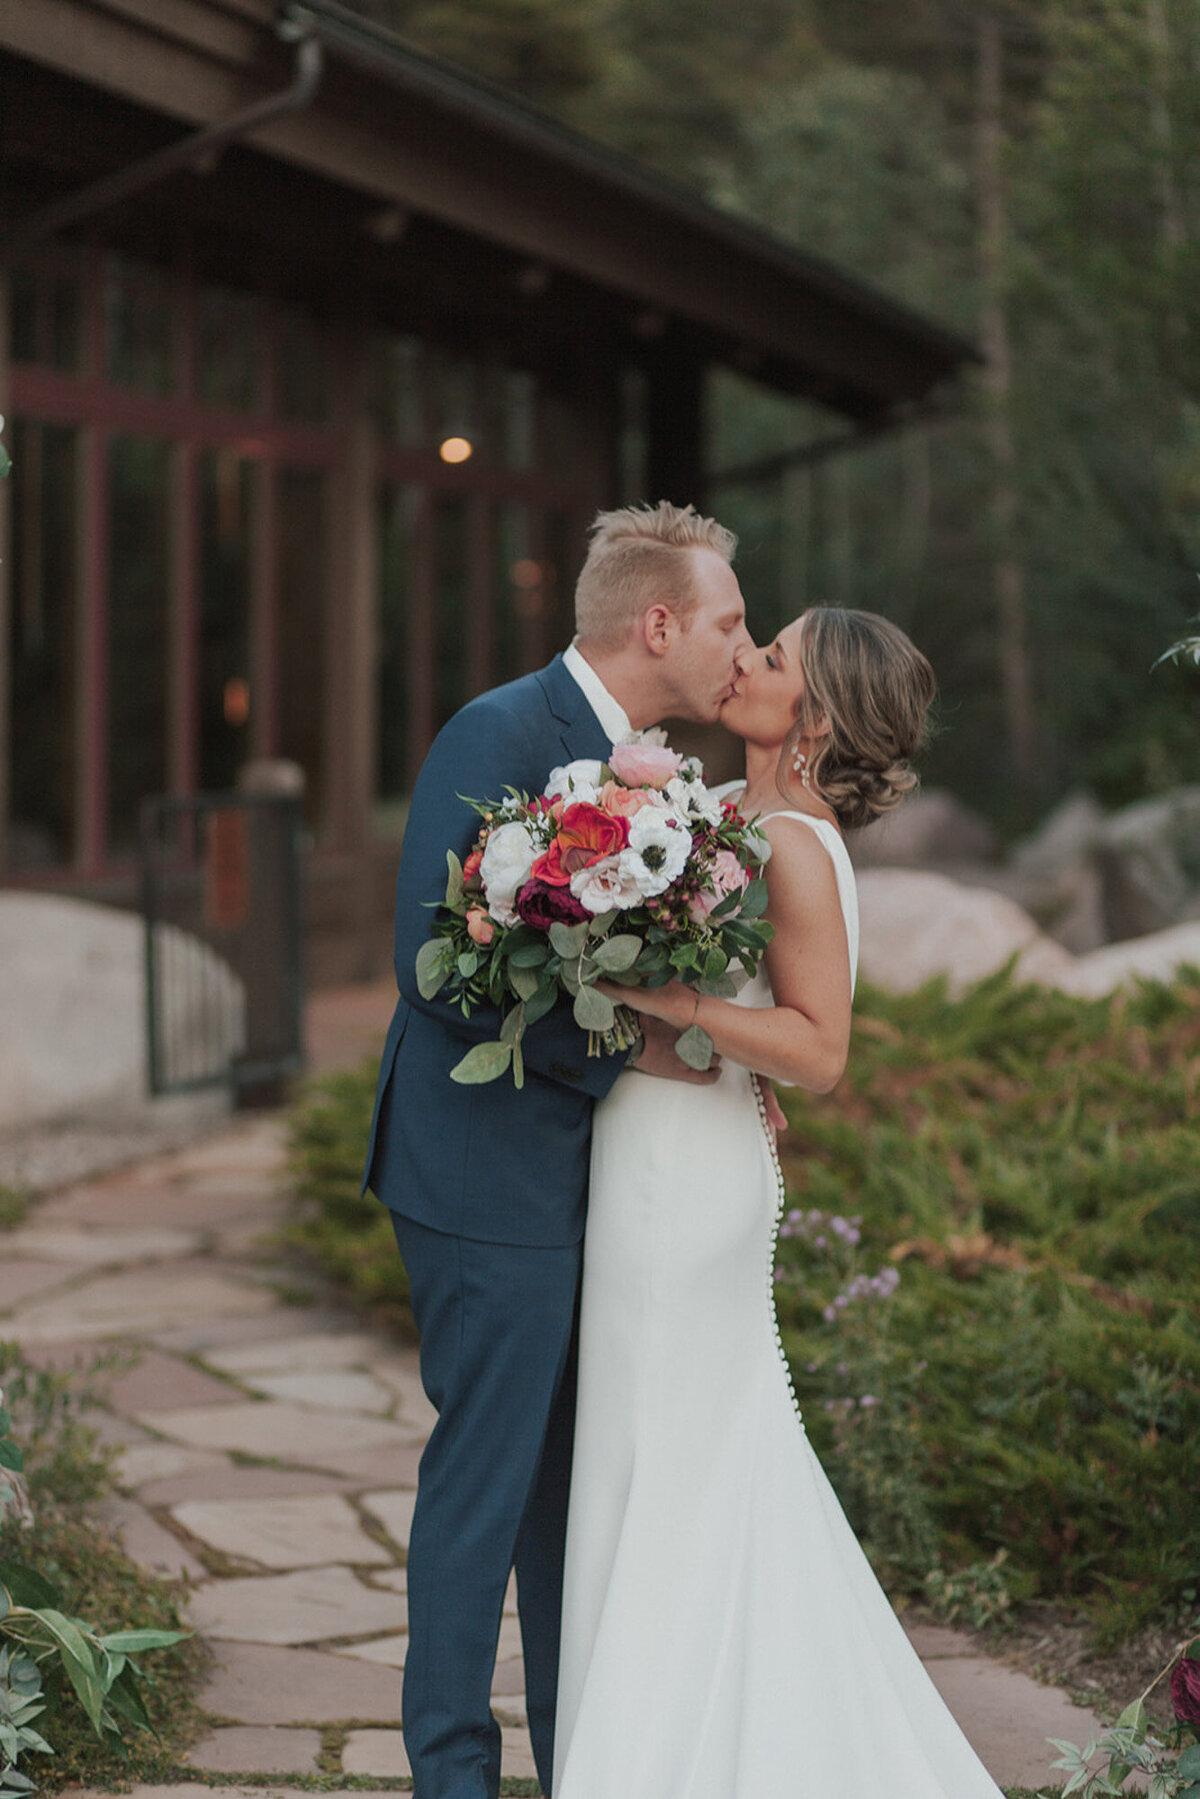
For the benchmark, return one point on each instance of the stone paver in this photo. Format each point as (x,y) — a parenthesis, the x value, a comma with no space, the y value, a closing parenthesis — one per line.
(384,1652)
(283,1355)
(336,1388)
(148,1544)
(160,1380)
(298,1531)
(309,1436)
(18,1280)
(1007,1717)
(255,1684)
(313,1605)
(133,1302)
(240,1748)
(394,1511)
(377,1752)
(145,1465)
(210,1476)
(99,1247)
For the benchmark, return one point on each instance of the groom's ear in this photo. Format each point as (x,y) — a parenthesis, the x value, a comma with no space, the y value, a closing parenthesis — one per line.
(658,628)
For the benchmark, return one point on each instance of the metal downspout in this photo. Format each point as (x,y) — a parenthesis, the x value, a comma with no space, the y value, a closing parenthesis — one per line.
(73,208)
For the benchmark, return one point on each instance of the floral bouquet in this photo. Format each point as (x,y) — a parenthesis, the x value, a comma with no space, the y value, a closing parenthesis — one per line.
(629,870)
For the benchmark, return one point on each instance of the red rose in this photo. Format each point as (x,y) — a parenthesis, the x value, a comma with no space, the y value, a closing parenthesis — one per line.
(541,906)
(586,834)
(1185,1691)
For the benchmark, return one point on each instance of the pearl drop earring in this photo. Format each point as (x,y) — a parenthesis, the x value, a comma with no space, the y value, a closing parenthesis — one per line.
(800,764)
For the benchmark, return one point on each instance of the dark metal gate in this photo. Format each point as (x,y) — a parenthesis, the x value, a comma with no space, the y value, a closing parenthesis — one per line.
(221,903)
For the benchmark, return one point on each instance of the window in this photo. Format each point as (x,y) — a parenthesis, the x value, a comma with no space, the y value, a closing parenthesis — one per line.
(138,631)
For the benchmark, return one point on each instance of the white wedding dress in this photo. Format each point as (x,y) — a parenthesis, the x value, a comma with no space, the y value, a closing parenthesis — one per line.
(723,1634)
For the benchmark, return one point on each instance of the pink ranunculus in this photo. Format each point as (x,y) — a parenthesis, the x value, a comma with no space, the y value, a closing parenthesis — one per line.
(480,928)
(623,802)
(644,764)
(728,876)
(1185,1691)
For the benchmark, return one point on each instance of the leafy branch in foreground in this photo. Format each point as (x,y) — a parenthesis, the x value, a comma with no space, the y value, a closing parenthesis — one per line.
(40,1636)
(1130,1750)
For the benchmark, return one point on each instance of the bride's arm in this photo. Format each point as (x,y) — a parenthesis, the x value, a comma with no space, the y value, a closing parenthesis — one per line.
(803,1039)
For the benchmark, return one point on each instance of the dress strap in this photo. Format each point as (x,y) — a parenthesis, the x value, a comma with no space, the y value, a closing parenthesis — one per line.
(843,870)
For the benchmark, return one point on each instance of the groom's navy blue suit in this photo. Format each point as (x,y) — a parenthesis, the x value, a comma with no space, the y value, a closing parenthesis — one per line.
(487,1187)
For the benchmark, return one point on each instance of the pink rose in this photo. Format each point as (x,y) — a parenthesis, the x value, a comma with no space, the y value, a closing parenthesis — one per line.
(644,764)
(479,926)
(727,876)
(623,802)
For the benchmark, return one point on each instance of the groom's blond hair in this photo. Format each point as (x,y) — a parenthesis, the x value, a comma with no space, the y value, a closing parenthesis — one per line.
(641,556)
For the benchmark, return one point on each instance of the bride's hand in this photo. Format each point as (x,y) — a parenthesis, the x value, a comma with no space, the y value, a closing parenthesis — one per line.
(674,1003)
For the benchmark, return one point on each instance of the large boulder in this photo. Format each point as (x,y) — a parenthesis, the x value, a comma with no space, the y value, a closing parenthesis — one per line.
(72,1009)
(916,926)
(932,829)
(1055,874)
(1149,860)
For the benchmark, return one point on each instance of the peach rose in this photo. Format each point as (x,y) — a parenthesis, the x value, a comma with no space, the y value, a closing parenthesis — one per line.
(644,764)
(471,866)
(479,926)
(623,802)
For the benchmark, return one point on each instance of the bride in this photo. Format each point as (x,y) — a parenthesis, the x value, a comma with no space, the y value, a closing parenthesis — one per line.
(723,1636)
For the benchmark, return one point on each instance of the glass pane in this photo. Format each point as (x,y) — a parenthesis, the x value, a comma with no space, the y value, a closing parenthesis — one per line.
(227,519)
(138,631)
(518,590)
(303,375)
(229,347)
(450,578)
(300,653)
(45,313)
(518,395)
(399,399)
(139,328)
(43,644)
(398,525)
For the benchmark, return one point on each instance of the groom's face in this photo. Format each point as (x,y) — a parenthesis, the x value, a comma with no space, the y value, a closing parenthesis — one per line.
(704,659)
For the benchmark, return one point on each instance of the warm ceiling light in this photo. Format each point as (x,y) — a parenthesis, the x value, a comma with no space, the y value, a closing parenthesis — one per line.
(455,449)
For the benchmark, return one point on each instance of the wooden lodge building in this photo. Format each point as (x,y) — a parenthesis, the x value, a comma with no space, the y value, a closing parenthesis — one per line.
(317,357)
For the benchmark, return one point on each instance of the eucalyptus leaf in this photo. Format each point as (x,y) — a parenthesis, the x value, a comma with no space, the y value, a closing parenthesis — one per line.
(528,955)
(433,970)
(454,880)
(715,964)
(723,986)
(1134,1716)
(518,1065)
(524,981)
(10,1455)
(616,954)
(695,1047)
(603,921)
(468,962)
(540,1003)
(486,1062)
(754,900)
(567,940)
(512,1026)
(25,1586)
(1189,1762)
(133,1642)
(593,1011)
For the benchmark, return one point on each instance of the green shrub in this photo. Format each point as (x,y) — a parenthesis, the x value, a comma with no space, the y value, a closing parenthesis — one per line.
(1029,1164)
(349,1232)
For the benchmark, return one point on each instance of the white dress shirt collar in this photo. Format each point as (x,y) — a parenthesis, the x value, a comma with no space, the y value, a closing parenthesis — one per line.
(612,716)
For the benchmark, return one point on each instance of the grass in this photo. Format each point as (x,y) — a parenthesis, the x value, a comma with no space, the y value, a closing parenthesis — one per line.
(1029,1163)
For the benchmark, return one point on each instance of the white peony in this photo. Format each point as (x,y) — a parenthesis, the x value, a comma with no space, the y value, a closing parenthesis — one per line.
(659,845)
(578,780)
(507,859)
(694,800)
(605,885)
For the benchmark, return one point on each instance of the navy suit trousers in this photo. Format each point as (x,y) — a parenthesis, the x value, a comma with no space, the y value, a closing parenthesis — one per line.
(497,1325)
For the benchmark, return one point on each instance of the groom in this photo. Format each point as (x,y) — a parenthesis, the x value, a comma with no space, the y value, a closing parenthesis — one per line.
(487,1186)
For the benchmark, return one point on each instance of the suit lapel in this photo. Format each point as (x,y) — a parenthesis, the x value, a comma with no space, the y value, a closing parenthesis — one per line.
(579,729)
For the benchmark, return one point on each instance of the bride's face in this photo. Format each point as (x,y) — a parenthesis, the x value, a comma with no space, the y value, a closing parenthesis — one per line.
(762,709)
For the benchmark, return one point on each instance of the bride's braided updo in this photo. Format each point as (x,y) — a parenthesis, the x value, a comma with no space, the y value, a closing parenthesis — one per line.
(875,688)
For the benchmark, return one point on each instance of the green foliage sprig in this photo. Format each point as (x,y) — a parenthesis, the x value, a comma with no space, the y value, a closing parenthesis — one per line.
(1132,1751)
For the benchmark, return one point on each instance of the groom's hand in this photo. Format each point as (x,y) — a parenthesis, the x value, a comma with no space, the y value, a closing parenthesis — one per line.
(657,1055)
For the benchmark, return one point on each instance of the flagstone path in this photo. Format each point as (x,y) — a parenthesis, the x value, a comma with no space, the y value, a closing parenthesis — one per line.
(267,1454)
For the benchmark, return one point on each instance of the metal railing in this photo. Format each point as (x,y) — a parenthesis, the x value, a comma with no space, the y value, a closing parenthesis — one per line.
(221,905)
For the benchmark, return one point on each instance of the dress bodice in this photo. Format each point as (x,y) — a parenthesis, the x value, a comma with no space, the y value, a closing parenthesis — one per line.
(757,992)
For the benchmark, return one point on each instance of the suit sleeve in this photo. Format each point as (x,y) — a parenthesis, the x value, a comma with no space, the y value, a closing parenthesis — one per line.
(482,750)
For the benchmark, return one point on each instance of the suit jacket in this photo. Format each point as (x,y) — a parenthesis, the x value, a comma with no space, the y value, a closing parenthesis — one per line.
(485,1162)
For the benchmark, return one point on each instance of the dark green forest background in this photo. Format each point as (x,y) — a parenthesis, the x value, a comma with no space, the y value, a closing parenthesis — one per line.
(1028,173)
